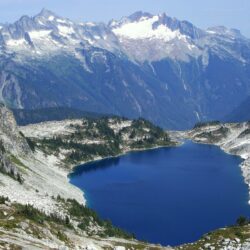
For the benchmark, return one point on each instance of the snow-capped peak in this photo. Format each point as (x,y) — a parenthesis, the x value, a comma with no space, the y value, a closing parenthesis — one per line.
(145,27)
(141,25)
(139,15)
(47,14)
(141,36)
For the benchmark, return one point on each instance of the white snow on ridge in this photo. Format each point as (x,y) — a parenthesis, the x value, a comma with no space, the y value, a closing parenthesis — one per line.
(144,29)
(64,30)
(39,34)
(61,20)
(211,32)
(51,18)
(17,42)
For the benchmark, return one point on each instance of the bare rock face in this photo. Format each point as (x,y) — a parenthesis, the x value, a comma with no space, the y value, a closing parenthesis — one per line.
(6,166)
(12,140)
(12,144)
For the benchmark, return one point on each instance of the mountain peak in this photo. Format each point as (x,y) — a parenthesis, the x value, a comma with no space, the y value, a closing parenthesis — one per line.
(138,15)
(141,25)
(46,13)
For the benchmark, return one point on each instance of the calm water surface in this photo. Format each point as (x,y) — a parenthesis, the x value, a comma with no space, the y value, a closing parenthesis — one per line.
(168,195)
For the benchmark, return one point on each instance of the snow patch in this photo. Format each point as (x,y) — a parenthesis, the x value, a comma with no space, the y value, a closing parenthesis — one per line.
(144,29)
(18,42)
(39,34)
(61,20)
(64,30)
(197,115)
(51,18)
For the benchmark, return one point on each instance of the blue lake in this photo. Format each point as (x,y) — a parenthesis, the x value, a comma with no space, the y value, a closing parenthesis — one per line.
(168,195)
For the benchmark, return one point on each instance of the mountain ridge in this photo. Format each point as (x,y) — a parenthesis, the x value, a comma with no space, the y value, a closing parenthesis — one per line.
(169,72)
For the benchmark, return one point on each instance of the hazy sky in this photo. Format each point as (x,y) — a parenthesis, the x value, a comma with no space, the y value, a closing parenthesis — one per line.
(202,13)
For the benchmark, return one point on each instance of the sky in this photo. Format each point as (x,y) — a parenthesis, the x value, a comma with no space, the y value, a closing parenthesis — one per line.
(202,13)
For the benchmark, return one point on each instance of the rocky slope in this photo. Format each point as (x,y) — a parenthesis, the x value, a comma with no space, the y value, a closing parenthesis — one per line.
(153,66)
(41,177)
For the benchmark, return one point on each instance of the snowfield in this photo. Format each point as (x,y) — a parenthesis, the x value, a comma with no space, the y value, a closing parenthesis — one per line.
(143,29)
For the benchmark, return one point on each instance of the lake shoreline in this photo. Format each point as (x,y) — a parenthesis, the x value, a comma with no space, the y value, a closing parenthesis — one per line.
(122,154)
(82,176)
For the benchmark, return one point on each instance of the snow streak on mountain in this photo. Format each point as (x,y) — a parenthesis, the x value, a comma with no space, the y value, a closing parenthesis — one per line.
(155,66)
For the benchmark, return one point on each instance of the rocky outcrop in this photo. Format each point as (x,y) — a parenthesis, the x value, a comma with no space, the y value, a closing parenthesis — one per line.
(7,167)
(12,144)
(10,136)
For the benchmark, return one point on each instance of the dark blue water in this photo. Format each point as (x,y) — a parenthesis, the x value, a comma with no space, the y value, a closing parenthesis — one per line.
(168,195)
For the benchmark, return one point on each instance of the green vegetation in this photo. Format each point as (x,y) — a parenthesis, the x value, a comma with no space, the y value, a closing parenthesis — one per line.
(240,231)
(88,217)
(33,214)
(2,149)
(3,199)
(62,237)
(242,221)
(13,216)
(7,168)
(31,143)
(103,139)
(16,161)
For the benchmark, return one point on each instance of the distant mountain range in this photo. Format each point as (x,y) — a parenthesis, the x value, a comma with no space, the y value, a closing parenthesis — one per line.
(144,65)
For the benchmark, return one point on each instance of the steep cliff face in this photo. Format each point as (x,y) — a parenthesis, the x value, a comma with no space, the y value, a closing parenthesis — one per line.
(10,136)
(7,167)
(12,145)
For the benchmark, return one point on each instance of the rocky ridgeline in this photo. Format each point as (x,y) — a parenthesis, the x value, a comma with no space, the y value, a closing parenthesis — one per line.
(147,65)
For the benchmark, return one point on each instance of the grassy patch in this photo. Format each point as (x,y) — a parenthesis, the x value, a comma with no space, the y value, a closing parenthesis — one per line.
(16,161)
